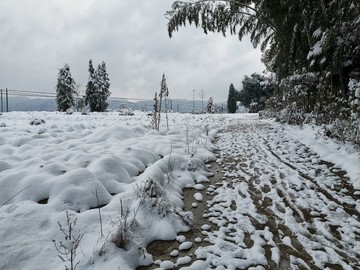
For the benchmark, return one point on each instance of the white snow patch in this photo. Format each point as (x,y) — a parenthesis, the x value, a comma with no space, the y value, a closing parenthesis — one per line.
(185,246)
(198,196)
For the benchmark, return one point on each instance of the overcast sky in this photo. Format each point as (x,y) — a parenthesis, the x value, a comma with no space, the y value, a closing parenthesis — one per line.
(39,36)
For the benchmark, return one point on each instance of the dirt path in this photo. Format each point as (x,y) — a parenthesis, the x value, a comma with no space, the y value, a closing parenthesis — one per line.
(273,204)
(161,249)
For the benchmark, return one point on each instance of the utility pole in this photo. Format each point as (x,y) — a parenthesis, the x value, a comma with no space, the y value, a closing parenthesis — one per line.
(202,95)
(7,100)
(2,110)
(193,110)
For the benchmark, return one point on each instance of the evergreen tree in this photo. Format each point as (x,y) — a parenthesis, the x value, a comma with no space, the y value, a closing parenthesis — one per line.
(232,97)
(311,46)
(91,93)
(164,92)
(210,108)
(256,90)
(65,89)
(102,85)
(97,88)
(156,112)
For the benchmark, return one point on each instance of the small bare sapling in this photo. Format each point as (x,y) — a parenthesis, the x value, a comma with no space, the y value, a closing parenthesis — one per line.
(67,248)
(123,234)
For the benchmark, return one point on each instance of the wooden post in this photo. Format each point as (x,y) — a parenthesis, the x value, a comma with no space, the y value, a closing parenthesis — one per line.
(7,100)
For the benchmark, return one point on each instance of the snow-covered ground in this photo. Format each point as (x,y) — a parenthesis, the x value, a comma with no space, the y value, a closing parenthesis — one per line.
(281,204)
(54,164)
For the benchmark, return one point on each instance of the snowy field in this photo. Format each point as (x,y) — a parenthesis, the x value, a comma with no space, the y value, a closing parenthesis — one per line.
(119,185)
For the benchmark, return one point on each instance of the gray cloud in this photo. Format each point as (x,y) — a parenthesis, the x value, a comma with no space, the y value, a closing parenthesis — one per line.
(38,37)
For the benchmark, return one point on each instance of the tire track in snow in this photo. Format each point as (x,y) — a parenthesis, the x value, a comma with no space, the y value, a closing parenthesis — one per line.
(349,208)
(273,213)
(277,206)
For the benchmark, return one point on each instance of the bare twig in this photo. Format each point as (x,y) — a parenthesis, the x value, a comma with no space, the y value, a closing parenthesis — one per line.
(14,195)
(98,206)
(67,248)
(122,236)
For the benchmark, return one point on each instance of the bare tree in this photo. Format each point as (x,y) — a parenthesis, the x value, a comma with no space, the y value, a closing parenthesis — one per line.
(164,93)
(202,96)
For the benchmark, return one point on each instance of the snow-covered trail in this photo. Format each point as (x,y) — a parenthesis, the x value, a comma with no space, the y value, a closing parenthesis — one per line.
(279,206)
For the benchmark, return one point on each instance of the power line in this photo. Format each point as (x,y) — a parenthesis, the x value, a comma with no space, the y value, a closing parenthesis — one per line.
(122,100)
(31,93)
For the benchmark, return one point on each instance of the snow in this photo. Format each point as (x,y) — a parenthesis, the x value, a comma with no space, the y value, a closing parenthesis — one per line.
(181,238)
(280,174)
(198,196)
(344,157)
(317,33)
(197,240)
(194,205)
(174,253)
(199,187)
(185,246)
(205,227)
(55,162)
(167,265)
(183,260)
(78,164)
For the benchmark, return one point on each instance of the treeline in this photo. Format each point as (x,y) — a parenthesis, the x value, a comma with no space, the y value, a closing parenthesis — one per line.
(96,94)
(311,46)
(253,95)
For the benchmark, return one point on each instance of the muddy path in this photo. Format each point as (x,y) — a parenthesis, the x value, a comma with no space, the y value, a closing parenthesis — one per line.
(272,204)
(161,250)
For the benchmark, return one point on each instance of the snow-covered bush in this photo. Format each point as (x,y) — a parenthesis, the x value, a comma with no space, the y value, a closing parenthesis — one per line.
(125,111)
(37,121)
(69,111)
(354,88)
(308,98)
(149,189)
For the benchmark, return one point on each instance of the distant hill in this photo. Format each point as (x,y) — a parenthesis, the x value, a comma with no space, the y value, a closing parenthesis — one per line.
(30,104)
(45,104)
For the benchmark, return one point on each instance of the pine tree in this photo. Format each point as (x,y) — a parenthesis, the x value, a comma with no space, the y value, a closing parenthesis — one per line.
(232,97)
(97,88)
(102,85)
(164,92)
(91,93)
(210,106)
(256,90)
(65,89)
(155,122)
